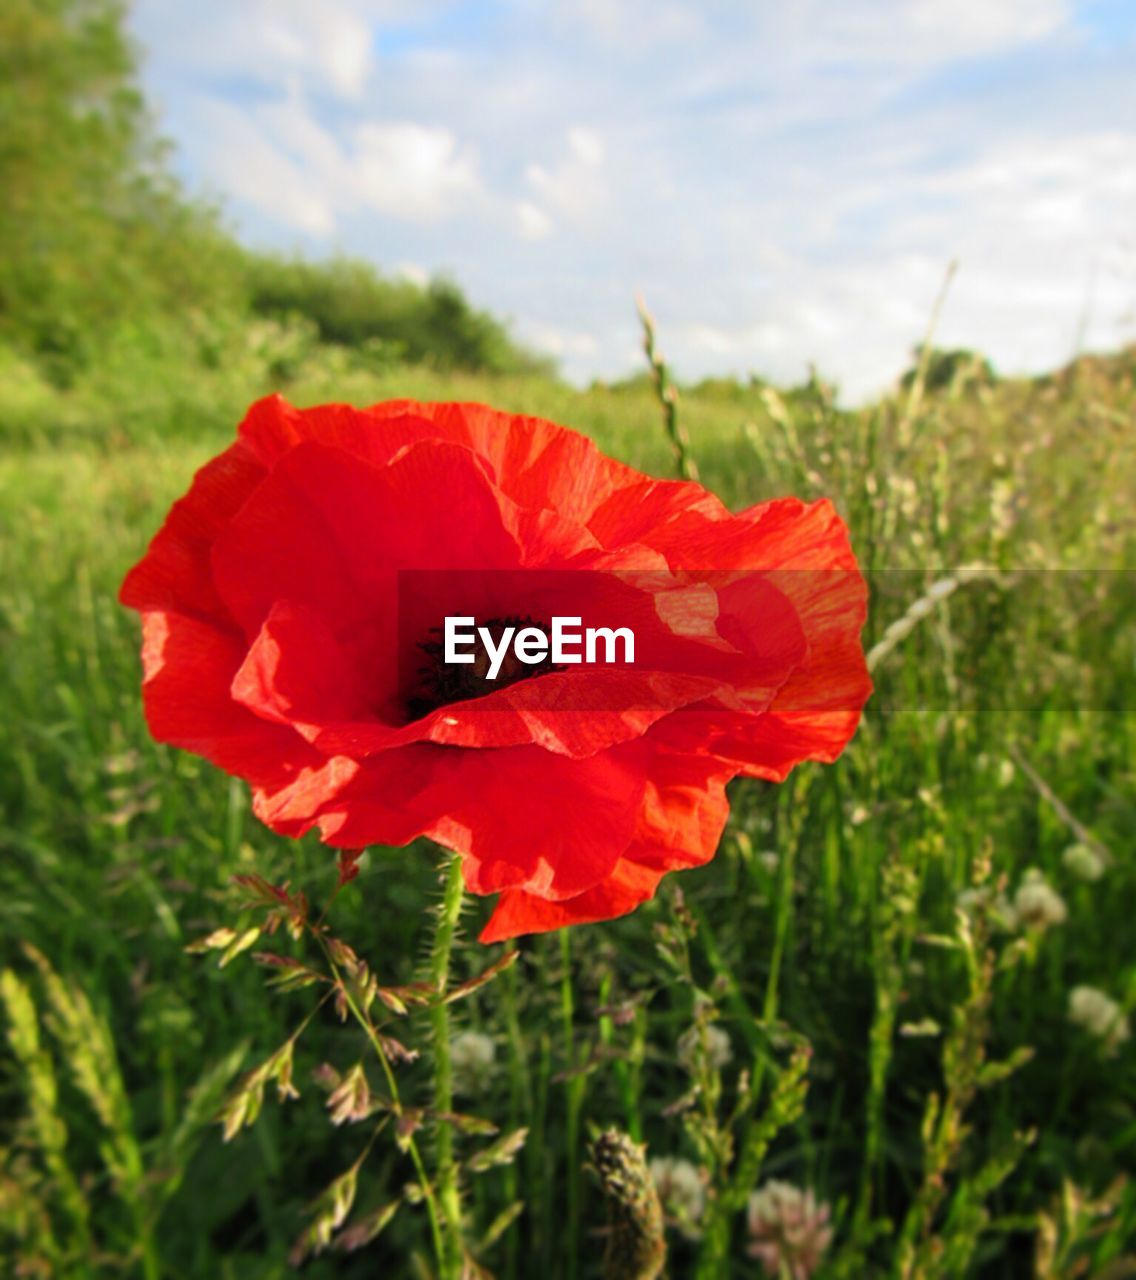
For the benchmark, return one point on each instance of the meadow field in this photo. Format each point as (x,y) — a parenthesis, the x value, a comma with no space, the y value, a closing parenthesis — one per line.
(880,965)
(884,1035)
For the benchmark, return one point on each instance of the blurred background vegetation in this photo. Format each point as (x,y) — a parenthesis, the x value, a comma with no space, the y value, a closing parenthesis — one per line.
(134,330)
(105,259)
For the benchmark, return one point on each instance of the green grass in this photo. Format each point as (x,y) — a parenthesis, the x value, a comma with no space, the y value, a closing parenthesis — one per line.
(115,853)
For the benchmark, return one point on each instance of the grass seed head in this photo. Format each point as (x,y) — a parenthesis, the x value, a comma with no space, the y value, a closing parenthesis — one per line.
(636,1245)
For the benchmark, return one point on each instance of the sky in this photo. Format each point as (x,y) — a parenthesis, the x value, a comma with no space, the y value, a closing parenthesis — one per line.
(784,181)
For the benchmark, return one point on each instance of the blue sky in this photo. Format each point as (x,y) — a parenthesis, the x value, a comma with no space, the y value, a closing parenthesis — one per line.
(784,181)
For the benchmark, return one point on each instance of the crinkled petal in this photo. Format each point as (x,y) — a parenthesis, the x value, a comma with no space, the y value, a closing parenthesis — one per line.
(539,464)
(296,673)
(518,913)
(679,825)
(188,667)
(522,817)
(175,573)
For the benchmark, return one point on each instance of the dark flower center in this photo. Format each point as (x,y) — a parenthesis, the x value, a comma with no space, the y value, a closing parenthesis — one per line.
(441,682)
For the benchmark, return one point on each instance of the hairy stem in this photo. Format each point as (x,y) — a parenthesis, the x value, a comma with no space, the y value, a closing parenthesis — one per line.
(446,1173)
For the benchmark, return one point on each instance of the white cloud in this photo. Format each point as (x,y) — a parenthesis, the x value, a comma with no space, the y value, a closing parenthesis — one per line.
(246,164)
(974,25)
(1031,225)
(732,344)
(633,24)
(328,44)
(414,272)
(532,222)
(573,187)
(560,343)
(411,170)
(278,159)
(1098,166)
(862,34)
(586,146)
(786,183)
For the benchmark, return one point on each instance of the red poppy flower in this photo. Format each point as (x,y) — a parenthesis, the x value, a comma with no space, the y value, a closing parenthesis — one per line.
(291,604)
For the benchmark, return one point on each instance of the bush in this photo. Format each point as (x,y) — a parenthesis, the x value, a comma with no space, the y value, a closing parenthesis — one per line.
(351,304)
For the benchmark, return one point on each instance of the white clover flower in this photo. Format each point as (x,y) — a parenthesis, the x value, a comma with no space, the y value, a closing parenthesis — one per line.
(1100,1015)
(788,1230)
(1083,861)
(682,1191)
(471,1058)
(1001,910)
(718,1048)
(1037,903)
(1005,913)
(970,900)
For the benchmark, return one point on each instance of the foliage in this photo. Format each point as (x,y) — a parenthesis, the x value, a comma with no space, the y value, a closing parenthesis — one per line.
(352,306)
(100,248)
(1001,728)
(869,1026)
(94,232)
(952,371)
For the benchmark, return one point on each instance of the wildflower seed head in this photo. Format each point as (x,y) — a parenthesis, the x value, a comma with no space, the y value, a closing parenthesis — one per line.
(1037,904)
(1099,1015)
(1084,862)
(788,1230)
(1000,909)
(681,1190)
(636,1245)
(471,1056)
(971,900)
(716,1044)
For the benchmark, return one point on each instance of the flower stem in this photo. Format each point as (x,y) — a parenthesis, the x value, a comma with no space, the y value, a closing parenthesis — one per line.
(446,1173)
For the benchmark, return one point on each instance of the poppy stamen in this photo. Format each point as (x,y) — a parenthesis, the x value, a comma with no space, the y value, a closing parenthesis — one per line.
(444,682)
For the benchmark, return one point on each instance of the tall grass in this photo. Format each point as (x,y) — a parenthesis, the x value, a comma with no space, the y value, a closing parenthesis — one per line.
(867,1019)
